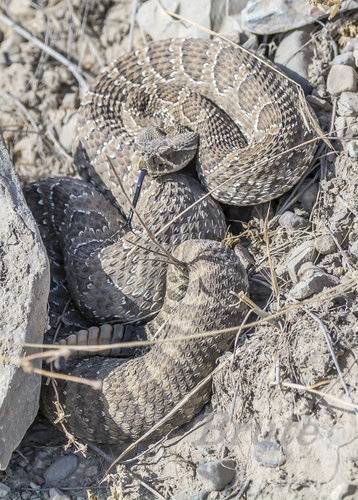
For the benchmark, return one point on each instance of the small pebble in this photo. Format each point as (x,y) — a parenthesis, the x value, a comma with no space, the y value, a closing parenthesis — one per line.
(351,45)
(346,58)
(325,244)
(354,248)
(340,215)
(269,453)
(352,148)
(61,468)
(352,126)
(308,269)
(57,495)
(294,54)
(291,221)
(340,124)
(34,486)
(70,100)
(4,490)
(341,78)
(51,79)
(348,104)
(216,475)
(298,256)
(68,132)
(344,490)
(184,495)
(315,283)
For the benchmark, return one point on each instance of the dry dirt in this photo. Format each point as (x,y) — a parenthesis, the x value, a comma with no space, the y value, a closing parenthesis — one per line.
(287,441)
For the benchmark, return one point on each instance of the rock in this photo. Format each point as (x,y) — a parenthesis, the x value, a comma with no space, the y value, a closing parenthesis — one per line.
(340,215)
(61,468)
(269,453)
(325,244)
(298,256)
(4,490)
(353,248)
(280,16)
(348,104)
(340,124)
(341,78)
(308,269)
(219,17)
(154,22)
(352,126)
(25,277)
(352,148)
(343,490)
(351,45)
(216,475)
(309,196)
(184,495)
(68,133)
(11,46)
(313,281)
(355,55)
(70,100)
(57,495)
(346,58)
(293,56)
(275,16)
(51,79)
(291,221)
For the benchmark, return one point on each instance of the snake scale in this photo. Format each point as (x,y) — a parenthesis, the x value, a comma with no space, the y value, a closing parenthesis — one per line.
(243,125)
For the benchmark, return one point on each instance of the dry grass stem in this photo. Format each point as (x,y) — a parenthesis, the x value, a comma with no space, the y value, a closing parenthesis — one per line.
(83,86)
(71,440)
(326,295)
(273,274)
(323,395)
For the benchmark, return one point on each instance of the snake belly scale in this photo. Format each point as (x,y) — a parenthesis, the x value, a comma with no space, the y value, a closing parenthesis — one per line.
(253,144)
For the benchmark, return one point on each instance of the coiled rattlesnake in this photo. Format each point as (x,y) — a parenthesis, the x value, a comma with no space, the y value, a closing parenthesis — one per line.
(173,99)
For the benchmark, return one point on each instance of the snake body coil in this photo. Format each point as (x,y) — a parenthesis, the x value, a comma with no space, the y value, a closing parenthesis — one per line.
(167,101)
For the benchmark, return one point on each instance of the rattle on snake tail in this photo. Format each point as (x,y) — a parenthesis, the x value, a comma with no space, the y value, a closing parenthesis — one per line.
(244,126)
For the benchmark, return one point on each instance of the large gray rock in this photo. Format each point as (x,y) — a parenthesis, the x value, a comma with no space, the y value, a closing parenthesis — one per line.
(154,21)
(293,55)
(24,286)
(278,16)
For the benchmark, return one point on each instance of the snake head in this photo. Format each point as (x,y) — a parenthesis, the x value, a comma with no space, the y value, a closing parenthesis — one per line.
(162,153)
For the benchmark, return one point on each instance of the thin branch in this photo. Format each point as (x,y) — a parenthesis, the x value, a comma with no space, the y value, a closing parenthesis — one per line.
(131,29)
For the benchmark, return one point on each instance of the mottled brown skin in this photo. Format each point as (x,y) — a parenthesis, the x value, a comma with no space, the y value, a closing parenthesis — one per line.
(248,124)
